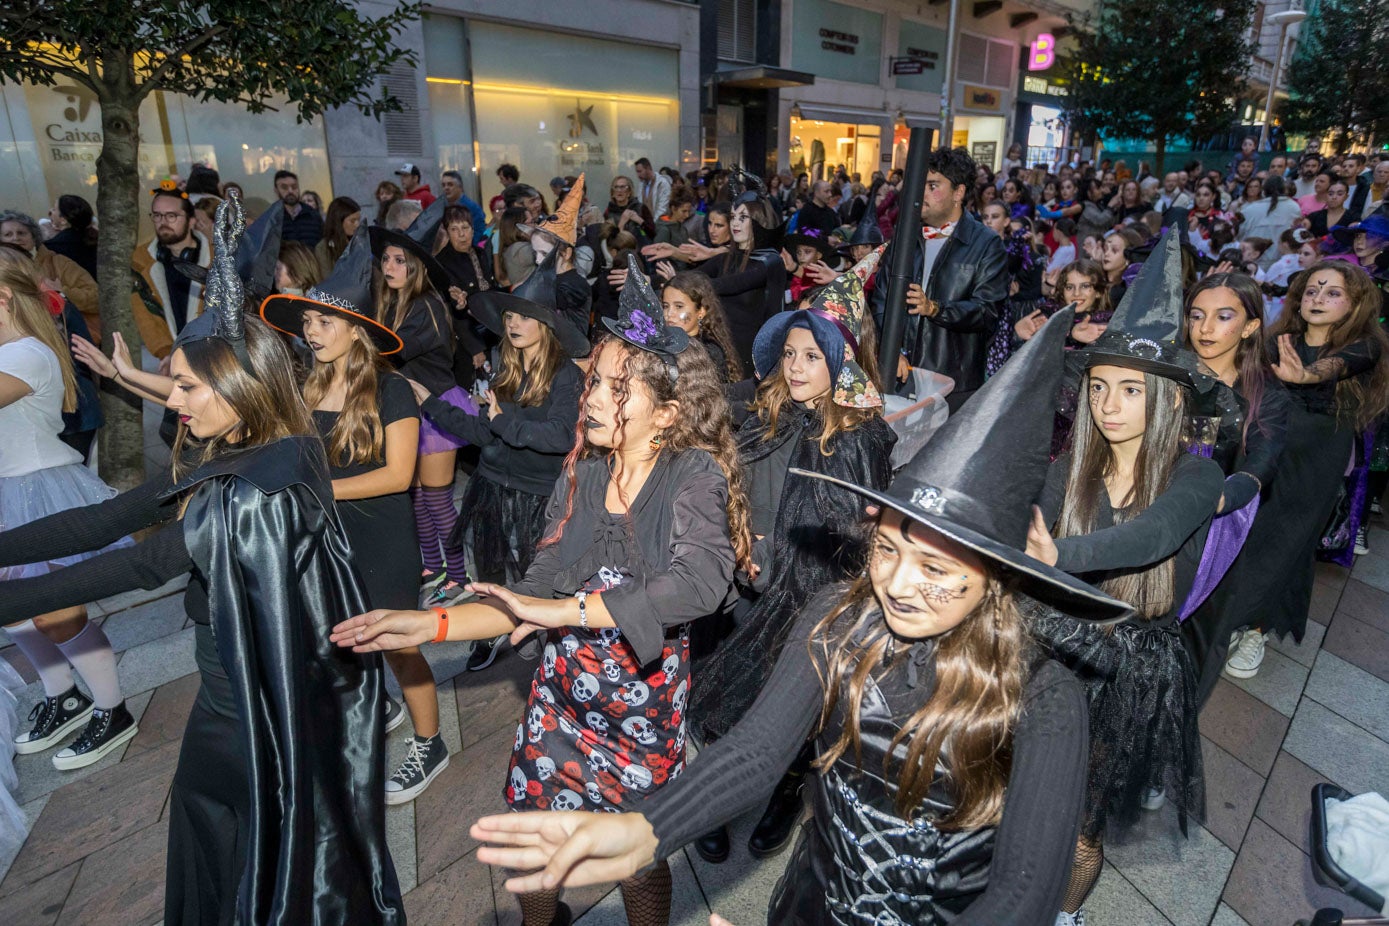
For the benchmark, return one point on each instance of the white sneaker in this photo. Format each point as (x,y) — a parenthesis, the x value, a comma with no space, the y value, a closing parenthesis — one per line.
(1153,799)
(1362,543)
(1246,656)
(1071,919)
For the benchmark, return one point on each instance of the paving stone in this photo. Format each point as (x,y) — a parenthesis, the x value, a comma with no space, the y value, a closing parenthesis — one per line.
(460,895)
(494,698)
(1232,791)
(99,811)
(1279,682)
(400,840)
(1335,747)
(1243,726)
(31,813)
(449,659)
(1331,574)
(687,905)
(469,788)
(1182,877)
(1365,603)
(38,777)
(167,715)
(123,884)
(39,903)
(1351,692)
(1324,599)
(1115,901)
(1360,644)
(1305,652)
(741,887)
(143,623)
(1372,570)
(157,662)
(1224,916)
(1286,804)
(1272,882)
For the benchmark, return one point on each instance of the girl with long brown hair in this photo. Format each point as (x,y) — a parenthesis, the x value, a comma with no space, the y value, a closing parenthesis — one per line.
(275,809)
(951,760)
(1131,509)
(41,475)
(343,219)
(647,524)
(369,422)
(750,278)
(817,409)
(408,301)
(1332,355)
(690,303)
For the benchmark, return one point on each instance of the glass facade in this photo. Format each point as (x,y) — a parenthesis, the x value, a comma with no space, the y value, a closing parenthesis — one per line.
(831,40)
(818,147)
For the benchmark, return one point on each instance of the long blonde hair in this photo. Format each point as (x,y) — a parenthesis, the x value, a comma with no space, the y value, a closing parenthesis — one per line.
(357,436)
(968,721)
(538,380)
(19,275)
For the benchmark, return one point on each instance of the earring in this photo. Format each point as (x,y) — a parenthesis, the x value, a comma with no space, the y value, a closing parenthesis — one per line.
(655,443)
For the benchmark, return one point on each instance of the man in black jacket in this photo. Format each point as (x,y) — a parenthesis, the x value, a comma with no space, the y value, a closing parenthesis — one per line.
(818,213)
(960,269)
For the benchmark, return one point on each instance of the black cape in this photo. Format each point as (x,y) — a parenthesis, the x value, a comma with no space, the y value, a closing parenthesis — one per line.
(260,525)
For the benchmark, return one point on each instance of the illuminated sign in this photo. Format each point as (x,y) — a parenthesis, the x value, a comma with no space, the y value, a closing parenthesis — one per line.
(1042,53)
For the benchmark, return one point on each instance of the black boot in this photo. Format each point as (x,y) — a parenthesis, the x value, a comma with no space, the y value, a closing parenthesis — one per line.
(778,822)
(713,846)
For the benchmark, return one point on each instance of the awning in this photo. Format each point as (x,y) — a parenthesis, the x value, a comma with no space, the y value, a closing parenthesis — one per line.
(818,113)
(762,77)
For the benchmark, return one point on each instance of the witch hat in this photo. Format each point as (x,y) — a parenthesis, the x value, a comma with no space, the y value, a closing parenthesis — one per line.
(867,230)
(977,477)
(835,319)
(256,256)
(641,320)
(563,224)
(536,297)
(1145,332)
(418,240)
(345,292)
(224,294)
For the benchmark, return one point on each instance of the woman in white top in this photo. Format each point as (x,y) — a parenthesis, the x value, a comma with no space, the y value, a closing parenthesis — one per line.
(1270,217)
(39,475)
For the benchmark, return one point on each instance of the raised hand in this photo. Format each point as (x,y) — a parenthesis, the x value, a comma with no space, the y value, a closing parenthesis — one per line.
(1040,545)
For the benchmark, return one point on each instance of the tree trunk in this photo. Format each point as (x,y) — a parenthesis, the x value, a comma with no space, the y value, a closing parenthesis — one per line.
(1160,151)
(117,206)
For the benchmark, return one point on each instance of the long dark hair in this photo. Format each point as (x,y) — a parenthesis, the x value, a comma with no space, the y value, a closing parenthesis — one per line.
(1273,188)
(334,238)
(1251,357)
(1147,589)
(714,326)
(77,212)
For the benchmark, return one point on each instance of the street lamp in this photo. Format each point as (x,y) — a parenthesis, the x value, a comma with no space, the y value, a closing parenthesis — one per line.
(1283,19)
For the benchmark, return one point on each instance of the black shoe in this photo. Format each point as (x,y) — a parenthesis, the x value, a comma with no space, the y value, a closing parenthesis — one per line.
(484,652)
(563,915)
(106,732)
(54,720)
(779,820)
(713,846)
(394,714)
(422,764)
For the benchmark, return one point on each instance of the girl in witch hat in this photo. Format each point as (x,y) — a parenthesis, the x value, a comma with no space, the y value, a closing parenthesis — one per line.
(558,233)
(525,431)
(950,761)
(817,408)
(408,300)
(1131,509)
(647,525)
(369,422)
(275,815)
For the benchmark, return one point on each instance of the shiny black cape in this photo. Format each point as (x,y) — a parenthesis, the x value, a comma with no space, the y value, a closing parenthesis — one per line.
(260,525)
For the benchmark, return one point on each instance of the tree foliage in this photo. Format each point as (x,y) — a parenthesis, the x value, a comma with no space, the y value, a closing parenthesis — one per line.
(1335,76)
(1157,69)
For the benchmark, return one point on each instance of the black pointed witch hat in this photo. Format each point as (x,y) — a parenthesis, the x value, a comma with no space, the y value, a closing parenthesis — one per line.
(224,296)
(1145,332)
(418,240)
(641,320)
(537,297)
(345,292)
(976,479)
(867,231)
(256,255)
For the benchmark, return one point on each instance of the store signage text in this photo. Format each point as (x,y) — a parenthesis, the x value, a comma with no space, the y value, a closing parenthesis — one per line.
(981,98)
(1042,53)
(916,61)
(1041,85)
(843,42)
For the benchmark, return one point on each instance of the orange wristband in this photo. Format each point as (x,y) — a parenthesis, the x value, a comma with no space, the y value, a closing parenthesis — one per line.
(443,625)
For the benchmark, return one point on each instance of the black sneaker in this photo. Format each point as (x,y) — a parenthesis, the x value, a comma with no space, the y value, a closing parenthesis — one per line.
(425,760)
(54,720)
(484,652)
(106,732)
(395,714)
(450,593)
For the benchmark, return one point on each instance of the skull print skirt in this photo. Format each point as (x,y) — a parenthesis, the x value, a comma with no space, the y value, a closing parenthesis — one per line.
(599,732)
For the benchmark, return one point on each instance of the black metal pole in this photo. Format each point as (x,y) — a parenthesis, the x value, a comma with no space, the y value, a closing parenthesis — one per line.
(899,272)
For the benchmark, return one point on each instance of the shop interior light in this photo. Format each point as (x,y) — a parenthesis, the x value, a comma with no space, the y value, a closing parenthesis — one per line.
(570,91)
(446,80)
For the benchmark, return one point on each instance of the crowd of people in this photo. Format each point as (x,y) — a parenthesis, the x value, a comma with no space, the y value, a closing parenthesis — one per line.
(648,443)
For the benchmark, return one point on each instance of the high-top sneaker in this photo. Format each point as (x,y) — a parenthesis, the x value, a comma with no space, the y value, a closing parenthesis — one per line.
(54,719)
(105,733)
(425,760)
(394,714)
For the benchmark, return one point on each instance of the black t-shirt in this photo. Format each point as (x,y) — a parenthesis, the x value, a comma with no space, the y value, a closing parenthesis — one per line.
(395,400)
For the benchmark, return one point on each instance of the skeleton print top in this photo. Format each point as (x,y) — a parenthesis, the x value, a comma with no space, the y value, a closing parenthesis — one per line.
(605,720)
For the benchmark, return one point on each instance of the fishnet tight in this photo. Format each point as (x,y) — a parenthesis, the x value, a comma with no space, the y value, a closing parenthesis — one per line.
(1085,871)
(645,897)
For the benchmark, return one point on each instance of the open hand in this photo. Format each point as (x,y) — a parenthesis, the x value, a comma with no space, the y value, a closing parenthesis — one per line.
(820,273)
(617,278)
(1031,323)
(1289,367)
(384,630)
(494,407)
(87,352)
(569,848)
(659,251)
(1087,332)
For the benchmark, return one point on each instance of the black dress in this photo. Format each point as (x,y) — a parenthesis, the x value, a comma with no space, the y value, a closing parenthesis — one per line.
(750,295)
(857,860)
(813,535)
(275,815)
(381,529)
(472,273)
(1297,505)
(1253,468)
(1140,681)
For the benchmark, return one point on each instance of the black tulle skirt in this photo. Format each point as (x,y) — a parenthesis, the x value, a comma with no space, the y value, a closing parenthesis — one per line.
(1143,733)
(501,527)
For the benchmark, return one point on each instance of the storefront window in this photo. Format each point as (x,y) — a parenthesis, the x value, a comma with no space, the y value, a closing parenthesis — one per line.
(831,40)
(450,108)
(817,148)
(982,137)
(559,105)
